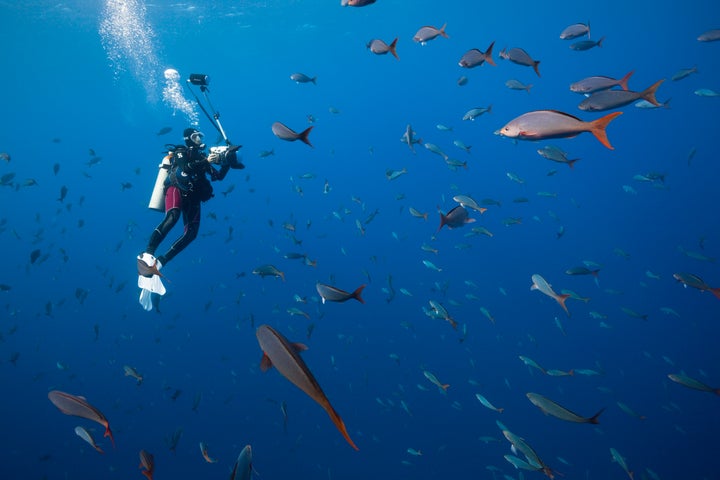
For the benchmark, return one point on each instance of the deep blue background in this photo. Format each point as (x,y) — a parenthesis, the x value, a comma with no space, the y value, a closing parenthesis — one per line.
(62,95)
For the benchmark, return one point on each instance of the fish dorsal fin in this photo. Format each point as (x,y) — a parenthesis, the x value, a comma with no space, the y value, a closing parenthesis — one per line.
(299,347)
(565,114)
(265,363)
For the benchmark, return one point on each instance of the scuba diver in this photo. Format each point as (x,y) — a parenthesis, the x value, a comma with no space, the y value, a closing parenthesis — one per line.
(185,187)
(181,186)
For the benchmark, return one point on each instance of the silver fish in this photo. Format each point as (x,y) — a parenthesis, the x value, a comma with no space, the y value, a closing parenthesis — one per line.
(475,58)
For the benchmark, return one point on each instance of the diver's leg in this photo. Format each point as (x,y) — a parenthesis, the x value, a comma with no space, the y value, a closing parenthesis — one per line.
(191,219)
(173,204)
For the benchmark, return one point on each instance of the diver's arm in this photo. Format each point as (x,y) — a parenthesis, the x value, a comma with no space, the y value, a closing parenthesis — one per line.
(217,175)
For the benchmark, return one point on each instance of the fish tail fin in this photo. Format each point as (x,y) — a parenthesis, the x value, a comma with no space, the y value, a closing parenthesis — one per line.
(599,42)
(358,292)
(393,48)
(649,93)
(597,128)
(442,31)
(483,210)
(715,291)
(425,216)
(108,433)
(571,372)
(536,67)
(561,300)
(443,221)
(489,59)
(571,163)
(594,419)
(265,363)
(314,80)
(489,109)
(282,274)
(500,409)
(624,81)
(528,87)
(340,425)
(304,136)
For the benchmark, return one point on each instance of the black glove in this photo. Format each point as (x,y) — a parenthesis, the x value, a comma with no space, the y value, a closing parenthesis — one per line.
(231,158)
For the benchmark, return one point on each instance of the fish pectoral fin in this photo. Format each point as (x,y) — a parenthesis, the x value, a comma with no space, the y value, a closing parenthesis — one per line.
(265,363)
(299,347)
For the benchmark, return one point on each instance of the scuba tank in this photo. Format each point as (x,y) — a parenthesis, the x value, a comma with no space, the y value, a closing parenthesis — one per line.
(157,199)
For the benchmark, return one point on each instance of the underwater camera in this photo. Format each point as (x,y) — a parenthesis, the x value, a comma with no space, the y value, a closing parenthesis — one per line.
(199,79)
(225,155)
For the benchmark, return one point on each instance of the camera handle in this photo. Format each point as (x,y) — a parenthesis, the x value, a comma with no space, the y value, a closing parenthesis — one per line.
(215,118)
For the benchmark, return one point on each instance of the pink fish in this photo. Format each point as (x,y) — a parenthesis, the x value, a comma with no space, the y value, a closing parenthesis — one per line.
(285,133)
(78,406)
(544,124)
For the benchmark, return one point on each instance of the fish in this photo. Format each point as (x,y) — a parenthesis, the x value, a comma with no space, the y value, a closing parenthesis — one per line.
(609,99)
(131,372)
(393,174)
(556,154)
(85,435)
(63,190)
(418,214)
(690,382)
(466,201)
(455,218)
(436,150)
(543,124)
(302,78)
(520,57)
(79,407)
(266,153)
(333,294)
(590,85)
(709,36)
(540,284)
(279,352)
(706,92)
(269,271)
(431,265)
(284,133)
(616,457)
(162,131)
(691,280)
(513,84)
(683,73)
(356,3)
(475,57)
(5,156)
(552,408)
(147,463)
(242,470)
(433,379)
(575,30)
(204,453)
(438,311)
(473,113)
(486,403)
(583,45)
(146,270)
(427,33)
(582,271)
(379,47)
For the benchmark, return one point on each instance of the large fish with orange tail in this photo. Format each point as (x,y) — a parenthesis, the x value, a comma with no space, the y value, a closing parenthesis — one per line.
(147,464)
(283,355)
(691,280)
(79,407)
(541,285)
(544,124)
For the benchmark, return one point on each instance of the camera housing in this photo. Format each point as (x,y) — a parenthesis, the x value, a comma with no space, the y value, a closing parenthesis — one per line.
(199,79)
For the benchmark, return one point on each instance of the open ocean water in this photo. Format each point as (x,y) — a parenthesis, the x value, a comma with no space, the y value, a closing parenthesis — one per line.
(84,100)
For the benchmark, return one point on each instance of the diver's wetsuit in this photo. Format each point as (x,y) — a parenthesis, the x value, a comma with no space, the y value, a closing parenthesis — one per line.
(185,188)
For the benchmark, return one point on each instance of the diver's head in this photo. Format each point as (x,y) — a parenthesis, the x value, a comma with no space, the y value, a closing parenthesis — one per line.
(193,138)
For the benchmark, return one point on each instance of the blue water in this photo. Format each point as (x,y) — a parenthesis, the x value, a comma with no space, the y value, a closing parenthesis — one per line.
(67,89)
